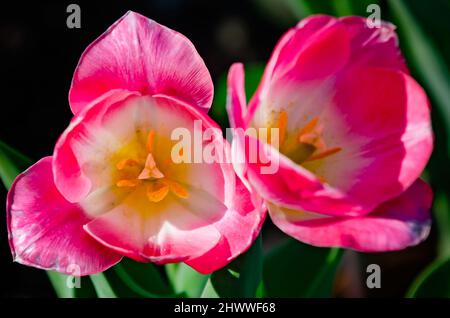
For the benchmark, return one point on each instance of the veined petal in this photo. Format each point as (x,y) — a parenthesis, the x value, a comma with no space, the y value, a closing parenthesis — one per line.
(46,231)
(138,54)
(394,225)
(236,100)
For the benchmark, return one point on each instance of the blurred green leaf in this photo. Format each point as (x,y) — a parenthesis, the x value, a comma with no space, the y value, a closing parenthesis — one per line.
(428,61)
(342,7)
(59,283)
(441,210)
(209,291)
(253,74)
(12,163)
(133,279)
(316,6)
(240,278)
(102,286)
(189,281)
(433,282)
(294,269)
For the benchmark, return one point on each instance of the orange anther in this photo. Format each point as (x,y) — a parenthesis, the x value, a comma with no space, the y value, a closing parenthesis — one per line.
(282,123)
(150,140)
(157,191)
(127,183)
(309,126)
(178,190)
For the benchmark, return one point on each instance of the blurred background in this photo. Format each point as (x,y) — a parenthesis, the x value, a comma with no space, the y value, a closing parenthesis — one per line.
(38,54)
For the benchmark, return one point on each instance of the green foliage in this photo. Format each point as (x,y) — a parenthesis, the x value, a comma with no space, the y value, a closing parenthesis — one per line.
(12,163)
(253,74)
(240,278)
(433,282)
(294,269)
(188,281)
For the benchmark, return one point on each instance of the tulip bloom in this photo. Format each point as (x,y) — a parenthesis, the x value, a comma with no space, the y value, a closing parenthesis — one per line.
(354,135)
(111,189)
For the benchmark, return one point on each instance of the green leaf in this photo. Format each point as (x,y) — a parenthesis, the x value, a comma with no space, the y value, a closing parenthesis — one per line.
(189,281)
(441,210)
(132,279)
(12,163)
(60,285)
(209,291)
(240,278)
(294,269)
(430,64)
(342,7)
(102,286)
(434,282)
(253,74)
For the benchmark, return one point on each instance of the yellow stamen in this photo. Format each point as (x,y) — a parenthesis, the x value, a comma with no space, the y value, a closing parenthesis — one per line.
(282,123)
(150,170)
(157,191)
(150,140)
(309,126)
(178,190)
(126,163)
(324,154)
(127,183)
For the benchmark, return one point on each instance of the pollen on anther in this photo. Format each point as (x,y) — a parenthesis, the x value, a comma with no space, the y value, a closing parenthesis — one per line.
(157,191)
(178,190)
(127,183)
(126,163)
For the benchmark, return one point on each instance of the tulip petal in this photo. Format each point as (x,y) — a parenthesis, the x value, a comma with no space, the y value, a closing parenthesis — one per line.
(394,225)
(388,118)
(239,228)
(172,230)
(321,46)
(182,226)
(46,231)
(236,100)
(288,184)
(70,180)
(138,54)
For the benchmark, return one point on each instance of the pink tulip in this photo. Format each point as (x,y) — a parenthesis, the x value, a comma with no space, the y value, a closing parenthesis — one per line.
(111,189)
(354,136)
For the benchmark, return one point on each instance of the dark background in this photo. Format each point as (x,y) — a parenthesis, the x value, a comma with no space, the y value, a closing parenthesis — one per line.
(38,54)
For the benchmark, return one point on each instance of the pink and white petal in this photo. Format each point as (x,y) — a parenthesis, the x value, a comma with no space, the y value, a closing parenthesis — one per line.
(394,225)
(46,231)
(172,230)
(239,228)
(84,137)
(287,184)
(322,46)
(138,54)
(236,100)
(285,51)
(388,118)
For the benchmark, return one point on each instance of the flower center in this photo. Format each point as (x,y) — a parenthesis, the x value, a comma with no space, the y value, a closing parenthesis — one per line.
(145,172)
(306,144)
